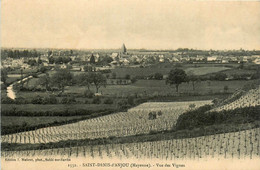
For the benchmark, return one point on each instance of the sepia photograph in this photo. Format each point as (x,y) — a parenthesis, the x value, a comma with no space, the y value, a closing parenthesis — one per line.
(130,84)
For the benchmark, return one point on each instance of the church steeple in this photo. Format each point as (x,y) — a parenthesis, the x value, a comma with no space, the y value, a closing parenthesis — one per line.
(123,49)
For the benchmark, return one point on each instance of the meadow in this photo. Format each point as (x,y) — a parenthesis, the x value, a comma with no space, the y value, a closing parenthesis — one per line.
(165,68)
(159,88)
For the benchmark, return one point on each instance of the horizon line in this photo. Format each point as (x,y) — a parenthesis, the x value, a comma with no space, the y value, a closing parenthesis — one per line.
(66,48)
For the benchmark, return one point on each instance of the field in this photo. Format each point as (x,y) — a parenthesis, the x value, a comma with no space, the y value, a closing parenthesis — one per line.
(137,120)
(232,72)
(148,131)
(165,69)
(159,88)
(239,145)
(25,71)
(12,78)
(205,70)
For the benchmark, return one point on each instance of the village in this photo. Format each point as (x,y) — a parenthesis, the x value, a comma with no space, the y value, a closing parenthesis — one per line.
(130,84)
(121,58)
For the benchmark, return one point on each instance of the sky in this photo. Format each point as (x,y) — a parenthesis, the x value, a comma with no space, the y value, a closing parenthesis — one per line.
(150,24)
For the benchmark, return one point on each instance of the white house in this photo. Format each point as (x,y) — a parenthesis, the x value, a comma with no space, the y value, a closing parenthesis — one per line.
(212,58)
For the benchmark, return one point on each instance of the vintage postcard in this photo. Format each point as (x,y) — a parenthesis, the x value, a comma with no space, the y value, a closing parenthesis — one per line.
(130,84)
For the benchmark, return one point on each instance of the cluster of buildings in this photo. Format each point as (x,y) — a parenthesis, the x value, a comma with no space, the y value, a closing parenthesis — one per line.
(123,58)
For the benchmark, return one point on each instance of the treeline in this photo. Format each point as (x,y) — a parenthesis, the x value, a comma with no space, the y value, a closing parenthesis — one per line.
(63,113)
(19,53)
(195,52)
(121,104)
(201,117)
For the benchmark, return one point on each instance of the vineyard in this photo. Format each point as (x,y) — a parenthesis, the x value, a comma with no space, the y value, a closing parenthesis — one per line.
(242,144)
(146,118)
(143,119)
(251,98)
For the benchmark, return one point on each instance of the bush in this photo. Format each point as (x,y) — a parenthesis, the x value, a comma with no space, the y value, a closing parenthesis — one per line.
(152,116)
(88,94)
(130,100)
(113,75)
(37,100)
(127,76)
(46,100)
(7,100)
(68,100)
(159,113)
(71,99)
(64,100)
(123,104)
(43,69)
(158,76)
(53,99)
(96,100)
(201,117)
(220,76)
(105,71)
(108,101)
(35,75)
(133,80)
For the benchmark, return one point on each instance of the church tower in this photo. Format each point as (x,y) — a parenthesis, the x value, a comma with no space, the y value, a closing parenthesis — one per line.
(123,49)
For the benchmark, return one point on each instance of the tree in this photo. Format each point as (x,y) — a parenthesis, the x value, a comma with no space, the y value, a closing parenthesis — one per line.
(226,89)
(193,79)
(114,75)
(39,60)
(98,79)
(4,75)
(21,81)
(61,78)
(66,59)
(58,60)
(241,65)
(158,76)
(85,80)
(105,60)
(88,68)
(45,81)
(51,60)
(192,106)
(43,69)
(220,76)
(49,53)
(92,59)
(32,62)
(133,79)
(176,76)
(127,76)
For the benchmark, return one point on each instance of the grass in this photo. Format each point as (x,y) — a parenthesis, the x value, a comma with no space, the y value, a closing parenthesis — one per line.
(205,70)
(164,68)
(238,72)
(12,79)
(159,88)
(150,88)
